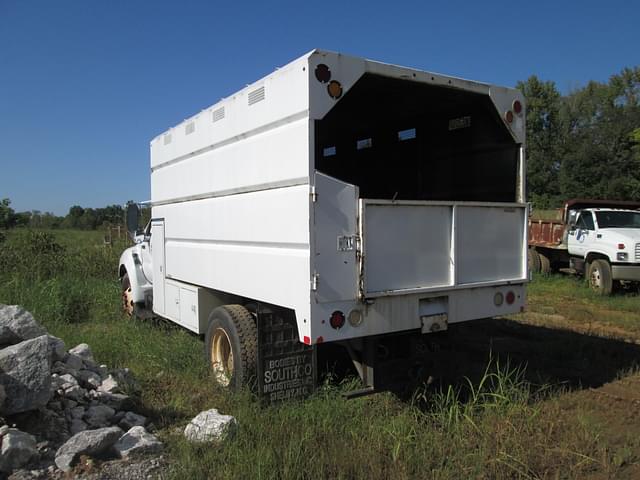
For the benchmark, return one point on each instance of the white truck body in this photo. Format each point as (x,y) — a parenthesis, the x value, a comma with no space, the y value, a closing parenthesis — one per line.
(338,183)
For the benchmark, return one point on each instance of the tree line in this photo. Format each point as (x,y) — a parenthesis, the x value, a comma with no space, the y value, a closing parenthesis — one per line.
(585,144)
(77,218)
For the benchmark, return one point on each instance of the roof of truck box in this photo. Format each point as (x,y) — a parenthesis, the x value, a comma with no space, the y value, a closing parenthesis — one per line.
(444,79)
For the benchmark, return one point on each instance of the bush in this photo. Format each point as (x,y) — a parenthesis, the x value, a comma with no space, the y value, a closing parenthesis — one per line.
(58,283)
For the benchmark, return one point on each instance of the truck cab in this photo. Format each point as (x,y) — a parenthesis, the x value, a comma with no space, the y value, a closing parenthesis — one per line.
(604,243)
(136,268)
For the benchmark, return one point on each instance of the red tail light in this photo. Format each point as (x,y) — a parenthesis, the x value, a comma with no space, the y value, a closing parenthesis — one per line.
(337,319)
(511,297)
(517,107)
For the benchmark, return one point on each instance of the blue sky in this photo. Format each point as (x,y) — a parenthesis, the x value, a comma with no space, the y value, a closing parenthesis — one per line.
(86,84)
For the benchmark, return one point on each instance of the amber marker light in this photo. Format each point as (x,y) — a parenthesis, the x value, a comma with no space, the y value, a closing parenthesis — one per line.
(335,89)
(508,116)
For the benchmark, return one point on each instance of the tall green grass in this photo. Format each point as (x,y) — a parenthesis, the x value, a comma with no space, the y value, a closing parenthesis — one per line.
(499,427)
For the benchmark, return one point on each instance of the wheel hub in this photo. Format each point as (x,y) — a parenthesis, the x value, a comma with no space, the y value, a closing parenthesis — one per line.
(595,278)
(127,301)
(221,357)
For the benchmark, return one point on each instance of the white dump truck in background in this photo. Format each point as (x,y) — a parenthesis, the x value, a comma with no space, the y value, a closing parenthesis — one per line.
(599,239)
(339,200)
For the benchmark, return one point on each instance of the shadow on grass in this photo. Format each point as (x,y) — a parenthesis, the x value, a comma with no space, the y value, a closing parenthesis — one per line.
(558,358)
(548,358)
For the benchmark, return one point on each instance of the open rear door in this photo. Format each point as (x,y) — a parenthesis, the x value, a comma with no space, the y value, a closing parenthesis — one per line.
(415,246)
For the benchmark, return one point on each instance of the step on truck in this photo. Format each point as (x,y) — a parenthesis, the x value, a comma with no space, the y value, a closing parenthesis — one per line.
(598,239)
(337,201)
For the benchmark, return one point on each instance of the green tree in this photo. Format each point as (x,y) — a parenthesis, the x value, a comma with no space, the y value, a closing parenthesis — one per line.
(544,140)
(601,158)
(7,215)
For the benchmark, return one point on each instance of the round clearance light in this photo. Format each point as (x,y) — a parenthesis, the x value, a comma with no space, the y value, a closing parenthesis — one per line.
(323,73)
(498,299)
(337,319)
(355,318)
(511,297)
(508,116)
(335,89)
(517,107)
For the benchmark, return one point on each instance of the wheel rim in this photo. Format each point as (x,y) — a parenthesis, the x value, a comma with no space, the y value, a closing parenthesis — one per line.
(127,301)
(221,357)
(596,279)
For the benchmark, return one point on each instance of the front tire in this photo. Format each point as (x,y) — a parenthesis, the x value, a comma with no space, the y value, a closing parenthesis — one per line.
(127,296)
(231,346)
(599,277)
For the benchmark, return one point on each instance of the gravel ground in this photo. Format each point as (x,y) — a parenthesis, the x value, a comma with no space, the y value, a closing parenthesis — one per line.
(148,468)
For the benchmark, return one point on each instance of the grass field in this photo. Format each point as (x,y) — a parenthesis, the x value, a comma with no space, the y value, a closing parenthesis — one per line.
(550,393)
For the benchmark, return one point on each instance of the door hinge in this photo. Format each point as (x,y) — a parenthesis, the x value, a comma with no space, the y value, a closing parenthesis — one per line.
(313,194)
(314,282)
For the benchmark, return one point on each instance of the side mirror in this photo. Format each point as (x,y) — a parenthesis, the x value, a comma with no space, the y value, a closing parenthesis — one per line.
(132,218)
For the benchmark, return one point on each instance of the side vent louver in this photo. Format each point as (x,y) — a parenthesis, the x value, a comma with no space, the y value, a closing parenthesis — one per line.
(217,114)
(189,128)
(167,138)
(256,96)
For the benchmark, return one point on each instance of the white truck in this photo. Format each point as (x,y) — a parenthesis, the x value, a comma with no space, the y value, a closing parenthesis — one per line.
(599,239)
(340,200)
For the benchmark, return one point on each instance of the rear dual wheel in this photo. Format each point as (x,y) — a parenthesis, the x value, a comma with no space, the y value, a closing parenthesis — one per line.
(539,262)
(231,346)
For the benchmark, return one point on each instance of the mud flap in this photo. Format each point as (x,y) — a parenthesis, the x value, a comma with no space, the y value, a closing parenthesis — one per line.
(287,368)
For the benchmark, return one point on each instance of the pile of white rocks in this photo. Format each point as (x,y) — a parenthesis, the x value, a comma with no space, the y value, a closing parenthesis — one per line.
(58,405)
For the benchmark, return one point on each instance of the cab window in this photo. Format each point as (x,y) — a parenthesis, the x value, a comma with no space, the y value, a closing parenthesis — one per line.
(585,221)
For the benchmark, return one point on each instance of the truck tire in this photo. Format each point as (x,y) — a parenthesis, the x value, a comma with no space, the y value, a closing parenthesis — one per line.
(599,277)
(534,260)
(545,264)
(127,297)
(231,346)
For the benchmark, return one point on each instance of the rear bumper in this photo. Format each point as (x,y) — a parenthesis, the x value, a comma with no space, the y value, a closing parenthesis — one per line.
(397,313)
(626,272)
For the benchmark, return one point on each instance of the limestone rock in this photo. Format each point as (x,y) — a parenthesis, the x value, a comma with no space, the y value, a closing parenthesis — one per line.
(44,424)
(88,442)
(18,449)
(110,385)
(83,351)
(131,420)
(89,379)
(24,374)
(117,401)
(56,349)
(210,426)
(137,441)
(17,325)
(67,381)
(73,362)
(76,412)
(77,426)
(99,415)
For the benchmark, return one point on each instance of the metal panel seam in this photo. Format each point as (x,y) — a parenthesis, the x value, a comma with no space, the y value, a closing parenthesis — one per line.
(260,187)
(240,243)
(229,141)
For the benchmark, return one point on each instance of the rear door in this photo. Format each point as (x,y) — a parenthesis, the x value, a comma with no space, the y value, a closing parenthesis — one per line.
(415,246)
